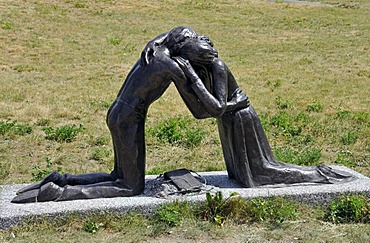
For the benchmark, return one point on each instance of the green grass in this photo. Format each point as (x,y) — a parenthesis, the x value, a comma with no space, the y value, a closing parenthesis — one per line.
(300,65)
(216,219)
(349,209)
(178,131)
(305,69)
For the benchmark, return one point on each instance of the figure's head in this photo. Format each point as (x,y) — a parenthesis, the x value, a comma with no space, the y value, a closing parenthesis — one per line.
(198,51)
(177,36)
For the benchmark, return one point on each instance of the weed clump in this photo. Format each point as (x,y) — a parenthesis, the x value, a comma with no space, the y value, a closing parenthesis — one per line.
(64,133)
(315,106)
(345,157)
(349,137)
(178,131)
(273,210)
(349,209)
(282,104)
(290,125)
(91,226)
(171,215)
(215,208)
(5,25)
(8,128)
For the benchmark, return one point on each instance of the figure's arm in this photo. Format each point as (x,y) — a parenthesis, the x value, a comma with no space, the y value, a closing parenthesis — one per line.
(191,101)
(238,101)
(148,51)
(215,103)
(183,86)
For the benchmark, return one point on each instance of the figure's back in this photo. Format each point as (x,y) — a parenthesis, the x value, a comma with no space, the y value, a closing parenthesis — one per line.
(149,82)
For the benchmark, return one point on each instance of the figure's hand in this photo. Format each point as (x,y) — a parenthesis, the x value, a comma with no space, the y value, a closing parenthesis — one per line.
(239,101)
(206,39)
(187,68)
(243,100)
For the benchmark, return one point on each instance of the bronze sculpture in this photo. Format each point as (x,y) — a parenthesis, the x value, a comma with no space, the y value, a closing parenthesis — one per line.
(246,150)
(209,89)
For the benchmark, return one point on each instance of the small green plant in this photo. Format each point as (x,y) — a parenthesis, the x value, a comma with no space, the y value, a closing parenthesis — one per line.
(40,173)
(114,41)
(273,209)
(168,215)
(5,127)
(305,61)
(65,133)
(345,157)
(193,137)
(24,68)
(91,226)
(173,213)
(79,4)
(14,128)
(274,84)
(5,25)
(101,153)
(343,114)
(315,106)
(362,117)
(282,104)
(171,131)
(349,209)
(215,206)
(349,137)
(22,129)
(178,131)
(286,123)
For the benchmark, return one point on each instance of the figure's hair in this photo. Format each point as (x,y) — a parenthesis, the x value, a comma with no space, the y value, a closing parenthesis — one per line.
(197,50)
(177,36)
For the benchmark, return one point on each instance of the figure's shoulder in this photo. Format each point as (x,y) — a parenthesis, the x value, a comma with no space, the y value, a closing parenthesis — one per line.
(162,53)
(162,61)
(218,61)
(219,65)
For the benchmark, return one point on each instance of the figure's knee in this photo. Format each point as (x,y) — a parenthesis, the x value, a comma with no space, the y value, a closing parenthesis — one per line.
(135,189)
(116,120)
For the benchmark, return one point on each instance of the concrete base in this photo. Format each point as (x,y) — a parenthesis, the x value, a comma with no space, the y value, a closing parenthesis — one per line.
(14,214)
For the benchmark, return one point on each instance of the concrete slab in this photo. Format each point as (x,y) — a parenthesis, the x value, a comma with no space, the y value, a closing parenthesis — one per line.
(14,214)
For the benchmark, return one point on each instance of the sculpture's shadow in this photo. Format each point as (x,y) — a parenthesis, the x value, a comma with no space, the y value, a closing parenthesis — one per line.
(221,181)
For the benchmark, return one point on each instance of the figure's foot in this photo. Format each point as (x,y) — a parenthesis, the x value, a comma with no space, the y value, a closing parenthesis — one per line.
(334,176)
(52,177)
(29,196)
(48,192)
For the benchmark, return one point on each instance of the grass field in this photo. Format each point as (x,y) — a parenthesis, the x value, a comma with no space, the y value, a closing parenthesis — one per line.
(305,68)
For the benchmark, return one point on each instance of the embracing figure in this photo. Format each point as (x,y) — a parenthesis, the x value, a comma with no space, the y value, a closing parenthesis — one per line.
(246,150)
(209,89)
(146,82)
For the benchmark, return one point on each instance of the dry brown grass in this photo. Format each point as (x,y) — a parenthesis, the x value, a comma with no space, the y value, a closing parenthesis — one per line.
(64,61)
